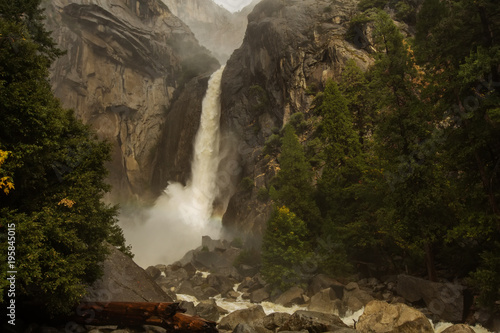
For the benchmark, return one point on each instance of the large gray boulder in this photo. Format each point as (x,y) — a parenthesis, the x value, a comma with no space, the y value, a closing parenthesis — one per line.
(246,316)
(321,282)
(208,309)
(444,300)
(355,298)
(275,320)
(325,301)
(312,322)
(124,281)
(382,317)
(290,297)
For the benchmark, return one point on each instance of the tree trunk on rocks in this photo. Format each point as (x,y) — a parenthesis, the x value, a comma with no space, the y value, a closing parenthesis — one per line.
(166,315)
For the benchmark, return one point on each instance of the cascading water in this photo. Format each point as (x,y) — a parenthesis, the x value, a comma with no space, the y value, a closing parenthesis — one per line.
(182,214)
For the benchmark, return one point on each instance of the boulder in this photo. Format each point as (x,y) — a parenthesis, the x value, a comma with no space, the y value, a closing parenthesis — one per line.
(312,321)
(259,295)
(232,294)
(221,283)
(188,306)
(355,298)
(208,309)
(291,296)
(230,272)
(210,292)
(381,317)
(322,281)
(444,300)
(154,272)
(124,281)
(325,301)
(214,244)
(246,316)
(214,260)
(244,328)
(275,320)
(459,328)
(172,278)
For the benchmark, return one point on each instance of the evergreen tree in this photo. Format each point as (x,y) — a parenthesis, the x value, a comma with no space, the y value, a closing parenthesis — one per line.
(416,212)
(285,249)
(57,166)
(293,183)
(460,46)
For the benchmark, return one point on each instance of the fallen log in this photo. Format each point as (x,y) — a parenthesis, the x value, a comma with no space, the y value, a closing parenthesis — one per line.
(167,315)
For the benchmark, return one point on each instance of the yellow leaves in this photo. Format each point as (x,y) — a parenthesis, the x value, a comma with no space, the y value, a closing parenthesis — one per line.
(66,202)
(6,182)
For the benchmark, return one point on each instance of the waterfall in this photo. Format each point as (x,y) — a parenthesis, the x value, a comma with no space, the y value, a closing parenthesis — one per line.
(183,214)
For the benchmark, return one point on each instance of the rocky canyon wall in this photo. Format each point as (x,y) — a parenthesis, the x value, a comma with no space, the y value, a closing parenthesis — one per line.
(215,27)
(290,49)
(127,63)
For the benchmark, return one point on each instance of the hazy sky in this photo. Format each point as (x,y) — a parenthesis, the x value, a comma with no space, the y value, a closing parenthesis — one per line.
(233,5)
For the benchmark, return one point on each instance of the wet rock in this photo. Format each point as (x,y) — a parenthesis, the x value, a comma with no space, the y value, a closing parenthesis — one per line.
(198,279)
(291,296)
(221,283)
(459,328)
(230,272)
(188,306)
(209,292)
(186,288)
(154,272)
(232,294)
(246,316)
(259,295)
(244,328)
(355,298)
(215,259)
(321,281)
(312,321)
(325,301)
(124,281)
(381,317)
(275,320)
(214,244)
(208,309)
(444,300)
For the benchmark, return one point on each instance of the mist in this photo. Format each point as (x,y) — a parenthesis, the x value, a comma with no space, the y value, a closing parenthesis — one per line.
(179,218)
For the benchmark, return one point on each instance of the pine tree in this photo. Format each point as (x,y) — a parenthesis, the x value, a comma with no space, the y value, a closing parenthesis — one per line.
(57,166)
(285,249)
(293,184)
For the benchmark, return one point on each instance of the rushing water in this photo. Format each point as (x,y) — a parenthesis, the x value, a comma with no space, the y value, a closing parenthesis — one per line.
(183,214)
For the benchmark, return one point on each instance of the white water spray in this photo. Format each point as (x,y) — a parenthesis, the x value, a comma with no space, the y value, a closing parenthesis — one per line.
(183,214)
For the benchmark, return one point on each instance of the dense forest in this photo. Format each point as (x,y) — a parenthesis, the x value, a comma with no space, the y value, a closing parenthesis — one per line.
(53,222)
(397,167)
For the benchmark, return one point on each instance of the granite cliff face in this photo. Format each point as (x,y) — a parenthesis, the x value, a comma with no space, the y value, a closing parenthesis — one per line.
(127,62)
(215,27)
(290,48)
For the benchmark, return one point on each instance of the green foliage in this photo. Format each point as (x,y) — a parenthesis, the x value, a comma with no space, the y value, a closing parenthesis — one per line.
(263,194)
(246,184)
(57,165)
(293,183)
(272,144)
(298,122)
(284,249)
(365,5)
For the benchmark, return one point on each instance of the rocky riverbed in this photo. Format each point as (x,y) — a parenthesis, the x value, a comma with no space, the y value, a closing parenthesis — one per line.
(213,283)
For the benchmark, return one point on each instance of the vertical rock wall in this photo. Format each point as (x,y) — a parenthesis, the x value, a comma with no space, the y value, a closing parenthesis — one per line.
(126,63)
